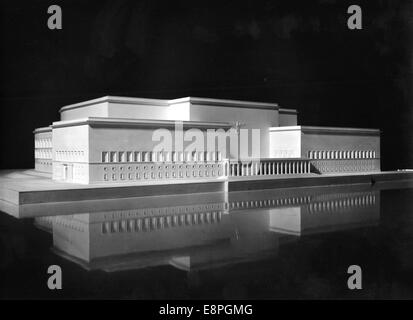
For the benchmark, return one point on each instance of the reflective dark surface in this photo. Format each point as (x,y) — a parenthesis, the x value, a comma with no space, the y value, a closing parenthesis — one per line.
(272,244)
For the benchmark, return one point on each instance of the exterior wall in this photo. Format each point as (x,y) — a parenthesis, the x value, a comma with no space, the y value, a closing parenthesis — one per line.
(179,111)
(330,149)
(149,171)
(107,139)
(348,165)
(123,110)
(249,118)
(130,154)
(287,117)
(137,111)
(96,110)
(285,144)
(342,152)
(71,154)
(43,151)
(339,142)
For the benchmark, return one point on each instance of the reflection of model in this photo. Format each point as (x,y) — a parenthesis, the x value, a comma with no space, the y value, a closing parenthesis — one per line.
(247,226)
(110,140)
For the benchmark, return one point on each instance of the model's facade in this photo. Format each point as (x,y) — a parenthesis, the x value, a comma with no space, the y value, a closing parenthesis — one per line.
(113,139)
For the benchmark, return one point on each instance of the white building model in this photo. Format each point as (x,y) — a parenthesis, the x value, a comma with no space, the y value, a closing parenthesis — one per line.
(111,139)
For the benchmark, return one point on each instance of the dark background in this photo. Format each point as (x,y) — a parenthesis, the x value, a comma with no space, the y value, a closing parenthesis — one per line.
(297,53)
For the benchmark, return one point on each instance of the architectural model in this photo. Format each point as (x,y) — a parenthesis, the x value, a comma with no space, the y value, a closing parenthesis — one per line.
(111,139)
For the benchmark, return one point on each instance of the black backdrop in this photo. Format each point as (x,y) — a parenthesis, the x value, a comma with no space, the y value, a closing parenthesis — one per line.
(297,53)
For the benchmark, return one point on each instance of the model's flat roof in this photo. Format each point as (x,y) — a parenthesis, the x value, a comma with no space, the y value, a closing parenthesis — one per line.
(288,111)
(115,99)
(42,129)
(313,129)
(123,123)
(165,102)
(226,103)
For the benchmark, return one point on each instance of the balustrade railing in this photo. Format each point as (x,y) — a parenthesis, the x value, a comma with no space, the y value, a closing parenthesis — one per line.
(269,167)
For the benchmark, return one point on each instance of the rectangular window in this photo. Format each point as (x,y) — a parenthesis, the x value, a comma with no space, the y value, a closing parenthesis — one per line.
(113,156)
(122,156)
(105,156)
(130,156)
